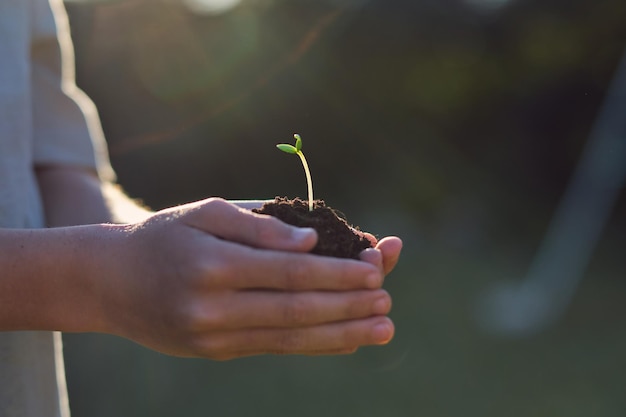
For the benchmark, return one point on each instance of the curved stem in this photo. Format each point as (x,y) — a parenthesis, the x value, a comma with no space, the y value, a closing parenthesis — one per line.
(308,179)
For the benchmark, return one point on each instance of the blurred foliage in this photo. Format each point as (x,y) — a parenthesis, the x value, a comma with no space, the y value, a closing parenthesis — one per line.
(502,99)
(455,127)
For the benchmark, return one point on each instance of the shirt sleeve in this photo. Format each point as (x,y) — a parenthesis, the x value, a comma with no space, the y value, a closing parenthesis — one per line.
(66,126)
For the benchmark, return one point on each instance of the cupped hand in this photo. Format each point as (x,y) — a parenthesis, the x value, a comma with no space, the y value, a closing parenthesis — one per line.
(210,279)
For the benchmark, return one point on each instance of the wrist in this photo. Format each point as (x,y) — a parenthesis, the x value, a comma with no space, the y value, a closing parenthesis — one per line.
(95,276)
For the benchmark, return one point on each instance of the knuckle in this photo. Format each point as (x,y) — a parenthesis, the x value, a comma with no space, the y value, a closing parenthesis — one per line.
(214,206)
(216,273)
(216,202)
(209,319)
(195,316)
(188,268)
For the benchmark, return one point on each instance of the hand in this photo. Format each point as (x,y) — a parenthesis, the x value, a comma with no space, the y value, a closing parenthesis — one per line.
(213,280)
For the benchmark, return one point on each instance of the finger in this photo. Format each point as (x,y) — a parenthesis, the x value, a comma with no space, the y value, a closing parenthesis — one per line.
(390,248)
(335,337)
(249,309)
(373,257)
(279,270)
(227,221)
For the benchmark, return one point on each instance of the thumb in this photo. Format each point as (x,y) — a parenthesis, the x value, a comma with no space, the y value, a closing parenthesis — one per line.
(229,222)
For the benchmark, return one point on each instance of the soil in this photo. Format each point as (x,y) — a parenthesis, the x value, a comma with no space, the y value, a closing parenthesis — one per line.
(336,237)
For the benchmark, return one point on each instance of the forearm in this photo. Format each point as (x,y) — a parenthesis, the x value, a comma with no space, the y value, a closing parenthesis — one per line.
(75,196)
(46,279)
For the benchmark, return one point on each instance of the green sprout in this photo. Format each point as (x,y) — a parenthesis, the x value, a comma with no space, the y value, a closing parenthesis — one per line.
(297,150)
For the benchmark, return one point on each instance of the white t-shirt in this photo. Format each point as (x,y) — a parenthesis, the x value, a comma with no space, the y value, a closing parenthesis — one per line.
(44,119)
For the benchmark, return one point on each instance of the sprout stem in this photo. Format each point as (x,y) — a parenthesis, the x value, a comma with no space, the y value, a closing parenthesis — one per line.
(298,151)
(308,178)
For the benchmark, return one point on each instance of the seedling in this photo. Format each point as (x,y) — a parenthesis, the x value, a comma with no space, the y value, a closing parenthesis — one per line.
(297,150)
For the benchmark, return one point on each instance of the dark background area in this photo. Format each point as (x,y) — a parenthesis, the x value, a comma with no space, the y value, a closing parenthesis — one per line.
(453,125)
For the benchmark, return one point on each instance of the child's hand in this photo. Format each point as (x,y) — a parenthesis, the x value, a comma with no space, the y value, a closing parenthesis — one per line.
(210,279)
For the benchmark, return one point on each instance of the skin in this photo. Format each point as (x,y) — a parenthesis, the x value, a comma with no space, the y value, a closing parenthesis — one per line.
(208,279)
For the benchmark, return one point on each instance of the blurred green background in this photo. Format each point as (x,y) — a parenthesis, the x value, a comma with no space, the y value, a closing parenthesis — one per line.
(453,124)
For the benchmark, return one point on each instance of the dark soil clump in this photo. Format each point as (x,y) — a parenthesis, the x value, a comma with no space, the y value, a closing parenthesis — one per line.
(335,236)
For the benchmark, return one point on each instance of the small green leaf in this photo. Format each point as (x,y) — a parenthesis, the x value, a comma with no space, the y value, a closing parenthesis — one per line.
(287,148)
(298,141)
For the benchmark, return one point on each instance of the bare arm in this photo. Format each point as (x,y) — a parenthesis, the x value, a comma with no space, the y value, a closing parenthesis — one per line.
(206,279)
(73,196)
(44,282)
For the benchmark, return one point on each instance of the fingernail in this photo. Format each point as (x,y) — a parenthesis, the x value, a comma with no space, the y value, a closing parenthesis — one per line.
(372,256)
(302,233)
(382,333)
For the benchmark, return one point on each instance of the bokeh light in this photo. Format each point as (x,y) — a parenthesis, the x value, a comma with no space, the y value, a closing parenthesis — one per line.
(211,7)
(455,128)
